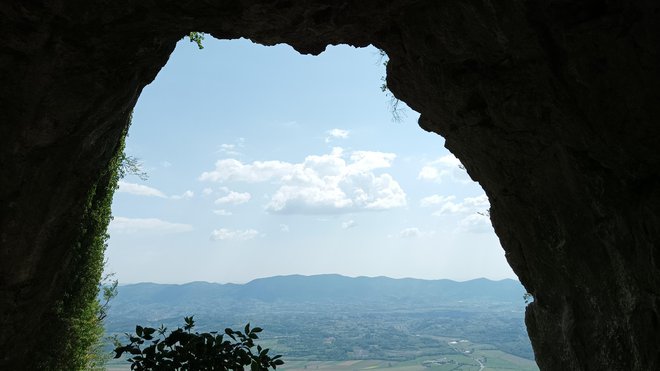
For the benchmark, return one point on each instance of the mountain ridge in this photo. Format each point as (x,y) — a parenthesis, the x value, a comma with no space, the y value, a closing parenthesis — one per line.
(317,275)
(322,288)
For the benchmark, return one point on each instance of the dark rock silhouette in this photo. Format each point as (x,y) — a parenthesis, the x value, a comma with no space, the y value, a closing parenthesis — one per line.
(550,105)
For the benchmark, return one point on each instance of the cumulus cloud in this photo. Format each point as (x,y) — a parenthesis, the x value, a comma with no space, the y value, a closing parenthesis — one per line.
(222,212)
(336,134)
(447,167)
(234,198)
(258,171)
(139,189)
(364,161)
(135,225)
(321,184)
(225,234)
(207,191)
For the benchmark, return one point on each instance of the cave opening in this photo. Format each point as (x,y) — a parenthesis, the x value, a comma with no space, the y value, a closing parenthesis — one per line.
(549,105)
(296,138)
(263,162)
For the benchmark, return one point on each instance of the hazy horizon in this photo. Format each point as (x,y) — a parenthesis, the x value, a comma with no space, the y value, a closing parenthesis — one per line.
(318,274)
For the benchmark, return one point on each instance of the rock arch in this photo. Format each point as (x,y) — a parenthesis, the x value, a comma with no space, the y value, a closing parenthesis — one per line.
(550,105)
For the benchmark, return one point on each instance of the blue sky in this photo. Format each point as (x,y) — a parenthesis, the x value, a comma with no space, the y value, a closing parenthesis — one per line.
(262,162)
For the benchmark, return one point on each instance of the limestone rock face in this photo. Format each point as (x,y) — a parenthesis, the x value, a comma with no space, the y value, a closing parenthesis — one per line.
(552,106)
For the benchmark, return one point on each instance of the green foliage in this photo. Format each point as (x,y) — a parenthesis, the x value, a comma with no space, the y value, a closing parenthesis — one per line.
(384,60)
(197,38)
(79,310)
(108,289)
(75,320)
(181,349)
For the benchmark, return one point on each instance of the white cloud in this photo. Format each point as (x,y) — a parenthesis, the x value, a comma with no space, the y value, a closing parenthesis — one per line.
(321,184)
(469,205)
(222,212)
(258,171)
(445,167)
(235,198)
(186,195)
(232,149)
(225,234)
(313,200)
(475,223)
(336,134)
(479,202)
(229,149)
(135,225)
(451,207)
(435,200)
(348,224)
(207,191)
(428,173)
(139,189)
(363,161)
(143,190)
(471,210)
(165,164)
(284,228)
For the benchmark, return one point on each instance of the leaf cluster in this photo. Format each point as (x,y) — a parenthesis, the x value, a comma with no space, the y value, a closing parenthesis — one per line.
(182,349)
(197,38)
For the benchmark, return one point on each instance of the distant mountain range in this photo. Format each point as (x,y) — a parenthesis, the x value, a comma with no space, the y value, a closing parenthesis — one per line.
(327,288)
(368,317)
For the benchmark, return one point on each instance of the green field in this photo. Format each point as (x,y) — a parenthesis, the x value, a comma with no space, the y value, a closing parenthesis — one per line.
(464,356)
(340,323)
(491,359)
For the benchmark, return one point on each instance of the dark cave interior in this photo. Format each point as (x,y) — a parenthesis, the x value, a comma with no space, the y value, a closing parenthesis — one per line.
(550,105)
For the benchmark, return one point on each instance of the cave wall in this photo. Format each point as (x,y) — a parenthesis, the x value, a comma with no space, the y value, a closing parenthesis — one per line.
(550,105)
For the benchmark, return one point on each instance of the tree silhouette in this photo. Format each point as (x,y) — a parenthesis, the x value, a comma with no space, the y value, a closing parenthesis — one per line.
(182,349)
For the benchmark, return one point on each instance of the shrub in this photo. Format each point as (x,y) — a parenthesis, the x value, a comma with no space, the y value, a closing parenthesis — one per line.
(182,349)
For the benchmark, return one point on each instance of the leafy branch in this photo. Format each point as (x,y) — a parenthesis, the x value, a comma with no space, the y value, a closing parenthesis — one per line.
(182,349)
(109,290)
